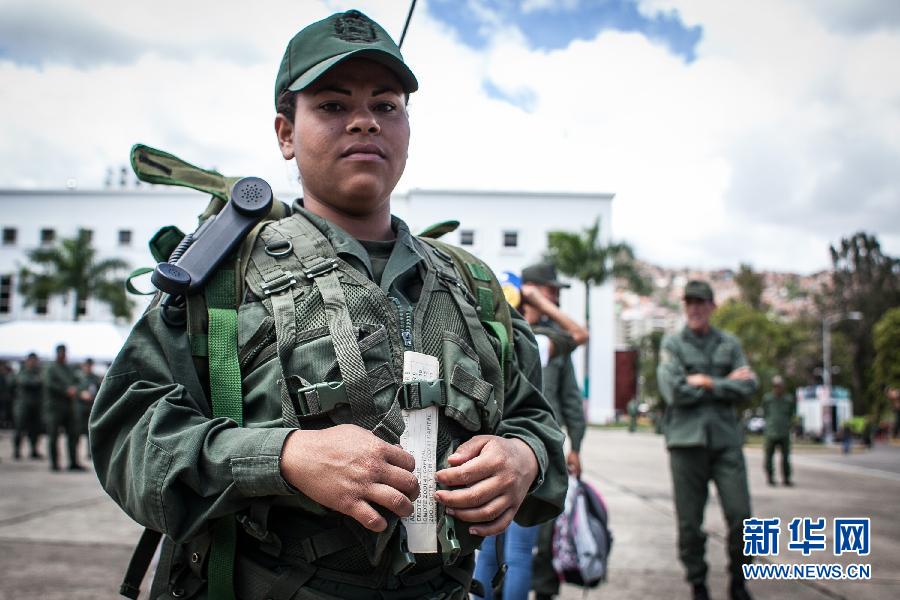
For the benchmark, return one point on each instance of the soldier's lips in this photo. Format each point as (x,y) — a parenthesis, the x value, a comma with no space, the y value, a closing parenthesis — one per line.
(363,152)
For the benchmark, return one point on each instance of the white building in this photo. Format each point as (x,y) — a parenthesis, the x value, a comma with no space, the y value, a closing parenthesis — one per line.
(506,229)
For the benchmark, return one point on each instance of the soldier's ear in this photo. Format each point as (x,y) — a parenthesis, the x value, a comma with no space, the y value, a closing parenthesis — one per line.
(284,130)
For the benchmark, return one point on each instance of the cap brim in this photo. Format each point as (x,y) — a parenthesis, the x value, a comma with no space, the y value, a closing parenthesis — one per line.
(403,73)
(552,283)
(695,297)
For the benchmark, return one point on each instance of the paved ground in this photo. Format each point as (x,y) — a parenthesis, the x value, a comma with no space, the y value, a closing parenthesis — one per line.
(61,537)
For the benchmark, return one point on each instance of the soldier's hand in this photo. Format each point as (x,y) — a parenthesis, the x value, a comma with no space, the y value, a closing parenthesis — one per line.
(573,462)
(742,374)
(348,469)
(700,380)
(492,475)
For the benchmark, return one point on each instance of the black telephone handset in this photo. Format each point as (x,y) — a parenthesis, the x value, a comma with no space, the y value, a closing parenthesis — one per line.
(201,252)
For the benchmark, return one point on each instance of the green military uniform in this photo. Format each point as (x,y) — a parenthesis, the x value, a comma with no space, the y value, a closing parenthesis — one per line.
(779,411)
(88,384)
(704,438)
(173,468)
(27,408)
(562,393)
(60,411)
(632,408)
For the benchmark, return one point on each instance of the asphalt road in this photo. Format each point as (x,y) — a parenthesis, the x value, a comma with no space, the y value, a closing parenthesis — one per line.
(61,537)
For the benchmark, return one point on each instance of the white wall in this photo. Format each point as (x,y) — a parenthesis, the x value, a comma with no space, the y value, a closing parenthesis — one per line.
(489,214)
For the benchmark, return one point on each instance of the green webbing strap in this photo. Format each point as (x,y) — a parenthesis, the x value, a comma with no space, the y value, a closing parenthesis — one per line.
(225,388)
(487,315)
(135,274)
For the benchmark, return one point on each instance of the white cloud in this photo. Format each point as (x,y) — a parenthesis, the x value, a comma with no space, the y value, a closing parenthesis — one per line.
(779,138)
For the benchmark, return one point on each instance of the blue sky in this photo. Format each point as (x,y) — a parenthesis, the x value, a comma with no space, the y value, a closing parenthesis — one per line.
(554,25)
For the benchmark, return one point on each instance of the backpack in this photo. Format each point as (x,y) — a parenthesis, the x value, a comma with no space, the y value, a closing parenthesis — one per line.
(581,537)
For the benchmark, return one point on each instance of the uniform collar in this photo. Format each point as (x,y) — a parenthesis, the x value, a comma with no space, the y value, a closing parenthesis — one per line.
(688,334)
(405,255)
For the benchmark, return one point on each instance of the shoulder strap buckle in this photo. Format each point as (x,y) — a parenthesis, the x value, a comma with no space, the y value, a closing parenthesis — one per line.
(283,281)
(325,265)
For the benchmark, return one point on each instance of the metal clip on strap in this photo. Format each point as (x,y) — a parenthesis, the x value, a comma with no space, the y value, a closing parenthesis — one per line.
(284,281)
(321,268)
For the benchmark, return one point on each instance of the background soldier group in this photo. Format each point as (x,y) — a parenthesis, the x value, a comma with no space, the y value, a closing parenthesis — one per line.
(54,398)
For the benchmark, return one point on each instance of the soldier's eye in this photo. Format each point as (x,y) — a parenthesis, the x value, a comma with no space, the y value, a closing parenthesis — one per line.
(331,107)
(386,107)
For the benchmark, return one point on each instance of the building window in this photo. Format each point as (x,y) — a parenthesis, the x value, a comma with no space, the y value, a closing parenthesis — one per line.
(510,239)
(82,307)
(5,294)
(124,237)
(48,236)
(40,306)
(9,236)
(466,237)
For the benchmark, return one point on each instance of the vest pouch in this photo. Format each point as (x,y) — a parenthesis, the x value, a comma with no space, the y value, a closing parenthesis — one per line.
(470,399)
(314,360)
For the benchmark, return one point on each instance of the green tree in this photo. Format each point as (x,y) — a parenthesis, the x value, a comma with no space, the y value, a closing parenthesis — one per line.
(751,286)
(72,269)
(792,349)
(866,280)
(586,258)
(886,366)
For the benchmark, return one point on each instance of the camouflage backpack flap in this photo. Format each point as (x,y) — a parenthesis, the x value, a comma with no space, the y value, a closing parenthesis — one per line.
(482,284)
(155,166)
(158,167)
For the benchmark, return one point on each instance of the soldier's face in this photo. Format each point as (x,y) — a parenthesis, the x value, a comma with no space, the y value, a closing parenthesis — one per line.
(698,313)
(350,137)
(550,293)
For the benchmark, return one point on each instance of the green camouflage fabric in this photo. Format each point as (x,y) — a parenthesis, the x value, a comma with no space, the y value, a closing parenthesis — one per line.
(173,468)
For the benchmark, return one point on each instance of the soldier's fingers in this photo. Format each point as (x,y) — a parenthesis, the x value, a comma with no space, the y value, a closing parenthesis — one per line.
(468,450)
(466,474)
(367,516)
(472,496)
(482,514)
(390,498)
(401,480)
(496,526)
(399,457)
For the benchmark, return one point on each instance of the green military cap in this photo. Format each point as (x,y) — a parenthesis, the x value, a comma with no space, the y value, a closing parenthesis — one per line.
(326,43)
(699,290)
(542,274)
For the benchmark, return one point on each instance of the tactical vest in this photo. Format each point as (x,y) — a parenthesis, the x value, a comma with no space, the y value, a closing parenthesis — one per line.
(339,341)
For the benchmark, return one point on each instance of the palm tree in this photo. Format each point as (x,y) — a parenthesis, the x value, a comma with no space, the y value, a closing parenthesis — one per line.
(72,268)
(584,257)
